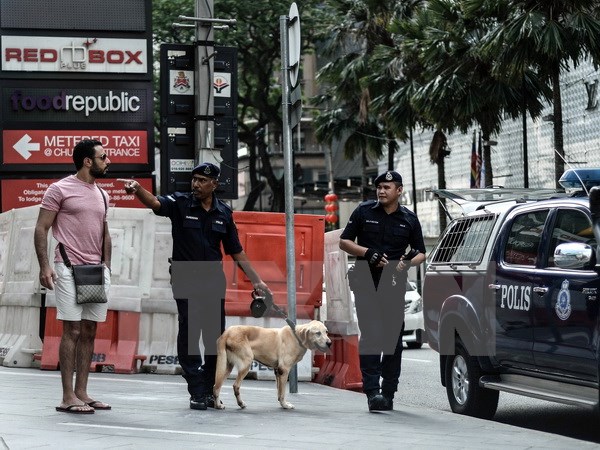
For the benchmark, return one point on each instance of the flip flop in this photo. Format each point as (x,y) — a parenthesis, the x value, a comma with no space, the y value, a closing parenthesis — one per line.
(99,405)
(71,409)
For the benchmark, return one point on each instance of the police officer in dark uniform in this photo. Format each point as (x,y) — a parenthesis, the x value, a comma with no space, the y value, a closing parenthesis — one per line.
(379,233)
(201,223)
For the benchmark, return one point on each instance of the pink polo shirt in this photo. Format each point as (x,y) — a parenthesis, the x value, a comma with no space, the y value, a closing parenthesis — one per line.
(79,224)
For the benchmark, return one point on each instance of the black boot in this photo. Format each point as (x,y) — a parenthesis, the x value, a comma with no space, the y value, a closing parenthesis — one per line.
(198,402)
(389,400)
(376,401)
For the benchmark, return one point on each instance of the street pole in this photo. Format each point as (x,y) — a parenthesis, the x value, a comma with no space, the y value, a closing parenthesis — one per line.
(204,83)
(525,155)
(412,171)
(289,186)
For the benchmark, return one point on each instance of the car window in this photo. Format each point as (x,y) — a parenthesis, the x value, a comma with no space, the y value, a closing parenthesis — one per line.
(524,238)
(465,240)
(571,225)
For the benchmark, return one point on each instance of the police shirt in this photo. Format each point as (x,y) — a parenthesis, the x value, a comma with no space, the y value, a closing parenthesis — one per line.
(197,233)
(372,227)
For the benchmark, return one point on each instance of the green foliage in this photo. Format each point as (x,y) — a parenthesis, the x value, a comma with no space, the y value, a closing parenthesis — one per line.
(256,35)
(164,14)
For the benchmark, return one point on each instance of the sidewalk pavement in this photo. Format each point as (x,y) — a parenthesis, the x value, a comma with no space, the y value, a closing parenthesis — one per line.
(152,412)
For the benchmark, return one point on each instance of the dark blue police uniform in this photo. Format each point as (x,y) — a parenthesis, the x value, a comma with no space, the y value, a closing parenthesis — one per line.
(197,236)
(379,292)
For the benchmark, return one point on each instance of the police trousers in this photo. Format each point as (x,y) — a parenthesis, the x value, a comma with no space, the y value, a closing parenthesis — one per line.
(201,318)
(379,304)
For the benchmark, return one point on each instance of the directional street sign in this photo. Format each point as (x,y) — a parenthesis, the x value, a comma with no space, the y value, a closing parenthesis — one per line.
(43,147)
(24,146)
(295,106)
(294,44)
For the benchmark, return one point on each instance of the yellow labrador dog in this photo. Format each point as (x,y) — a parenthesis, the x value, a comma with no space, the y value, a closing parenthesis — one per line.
(277,348)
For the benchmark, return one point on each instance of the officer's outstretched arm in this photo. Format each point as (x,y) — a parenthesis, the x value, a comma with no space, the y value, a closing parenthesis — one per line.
(147,198)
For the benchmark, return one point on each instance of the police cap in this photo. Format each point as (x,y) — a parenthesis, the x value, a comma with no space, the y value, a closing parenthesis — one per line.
(389,176)
(207,169)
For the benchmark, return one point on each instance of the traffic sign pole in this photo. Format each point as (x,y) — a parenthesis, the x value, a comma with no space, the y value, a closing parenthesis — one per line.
(289,185)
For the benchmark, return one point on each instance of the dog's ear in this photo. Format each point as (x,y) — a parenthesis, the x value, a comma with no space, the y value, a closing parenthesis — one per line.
(303,333)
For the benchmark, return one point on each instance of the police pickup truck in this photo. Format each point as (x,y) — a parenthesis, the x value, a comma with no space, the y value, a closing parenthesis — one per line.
(511,296)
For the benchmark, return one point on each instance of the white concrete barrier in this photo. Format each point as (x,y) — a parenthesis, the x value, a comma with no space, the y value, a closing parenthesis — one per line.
(140,283)
(20,297)
(339,313)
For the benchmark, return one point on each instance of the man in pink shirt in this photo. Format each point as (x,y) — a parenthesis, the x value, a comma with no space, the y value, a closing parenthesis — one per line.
(75,208)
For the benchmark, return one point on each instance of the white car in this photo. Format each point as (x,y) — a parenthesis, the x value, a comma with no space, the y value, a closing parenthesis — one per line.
(414,330)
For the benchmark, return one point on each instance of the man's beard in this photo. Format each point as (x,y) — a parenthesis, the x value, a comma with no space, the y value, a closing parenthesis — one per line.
(96,172)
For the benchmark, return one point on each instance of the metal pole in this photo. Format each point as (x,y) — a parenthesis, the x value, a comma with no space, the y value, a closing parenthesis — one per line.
(414,196)
(525,156)
(289,186)
(204,83)
(412,170)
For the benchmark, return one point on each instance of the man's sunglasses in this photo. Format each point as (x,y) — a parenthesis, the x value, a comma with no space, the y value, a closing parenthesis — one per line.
(102,156)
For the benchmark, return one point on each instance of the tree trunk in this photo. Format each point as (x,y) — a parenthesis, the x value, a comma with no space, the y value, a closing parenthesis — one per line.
(276,184)
(364,180)
(559,155)
(256,186)
(258,149)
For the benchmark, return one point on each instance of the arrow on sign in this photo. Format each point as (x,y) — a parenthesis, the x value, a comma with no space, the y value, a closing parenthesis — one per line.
(24,147)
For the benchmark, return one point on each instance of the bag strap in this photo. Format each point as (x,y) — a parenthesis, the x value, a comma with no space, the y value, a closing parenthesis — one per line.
(103,222)
(64,255)
(61,247)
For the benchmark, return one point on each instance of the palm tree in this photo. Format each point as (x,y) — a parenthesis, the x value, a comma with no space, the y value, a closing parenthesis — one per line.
(547,36)
(345,121)
(350,44)
(461,90)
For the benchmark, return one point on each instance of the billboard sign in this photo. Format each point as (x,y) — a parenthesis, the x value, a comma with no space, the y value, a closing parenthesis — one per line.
(19,193)
(79,103)
(74,54)
(56,146)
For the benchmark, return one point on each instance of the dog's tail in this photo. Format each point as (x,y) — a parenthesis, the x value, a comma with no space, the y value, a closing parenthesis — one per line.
(222,356)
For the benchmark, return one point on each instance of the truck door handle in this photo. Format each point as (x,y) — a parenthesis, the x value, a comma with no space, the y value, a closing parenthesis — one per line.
(494,286)
(540,290)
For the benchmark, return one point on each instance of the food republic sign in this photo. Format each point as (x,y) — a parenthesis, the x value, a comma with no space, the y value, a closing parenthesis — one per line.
(120,102)
(81,105)
(73,54)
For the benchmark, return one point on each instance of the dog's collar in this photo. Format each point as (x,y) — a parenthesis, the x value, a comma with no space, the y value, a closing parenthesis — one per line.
(290,322)
(293,327)
(295,335)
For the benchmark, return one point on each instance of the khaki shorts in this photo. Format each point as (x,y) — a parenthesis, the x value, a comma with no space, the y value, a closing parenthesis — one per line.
(66,306)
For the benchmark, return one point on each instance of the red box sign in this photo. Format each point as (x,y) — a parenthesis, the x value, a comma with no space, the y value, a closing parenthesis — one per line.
(22,193)
(56,146)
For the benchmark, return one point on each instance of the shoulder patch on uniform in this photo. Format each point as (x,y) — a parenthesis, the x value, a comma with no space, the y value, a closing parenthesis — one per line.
(368,203)
(407,211)
(225,205)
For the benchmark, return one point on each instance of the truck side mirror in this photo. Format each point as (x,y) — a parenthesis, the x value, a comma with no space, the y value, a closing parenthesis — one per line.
(574,255)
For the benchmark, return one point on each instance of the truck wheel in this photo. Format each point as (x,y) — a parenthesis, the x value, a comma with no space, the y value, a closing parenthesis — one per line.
(462,387)
(418,342)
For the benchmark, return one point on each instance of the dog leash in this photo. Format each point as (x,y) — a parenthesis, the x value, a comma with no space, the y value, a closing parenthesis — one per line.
(262,303)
